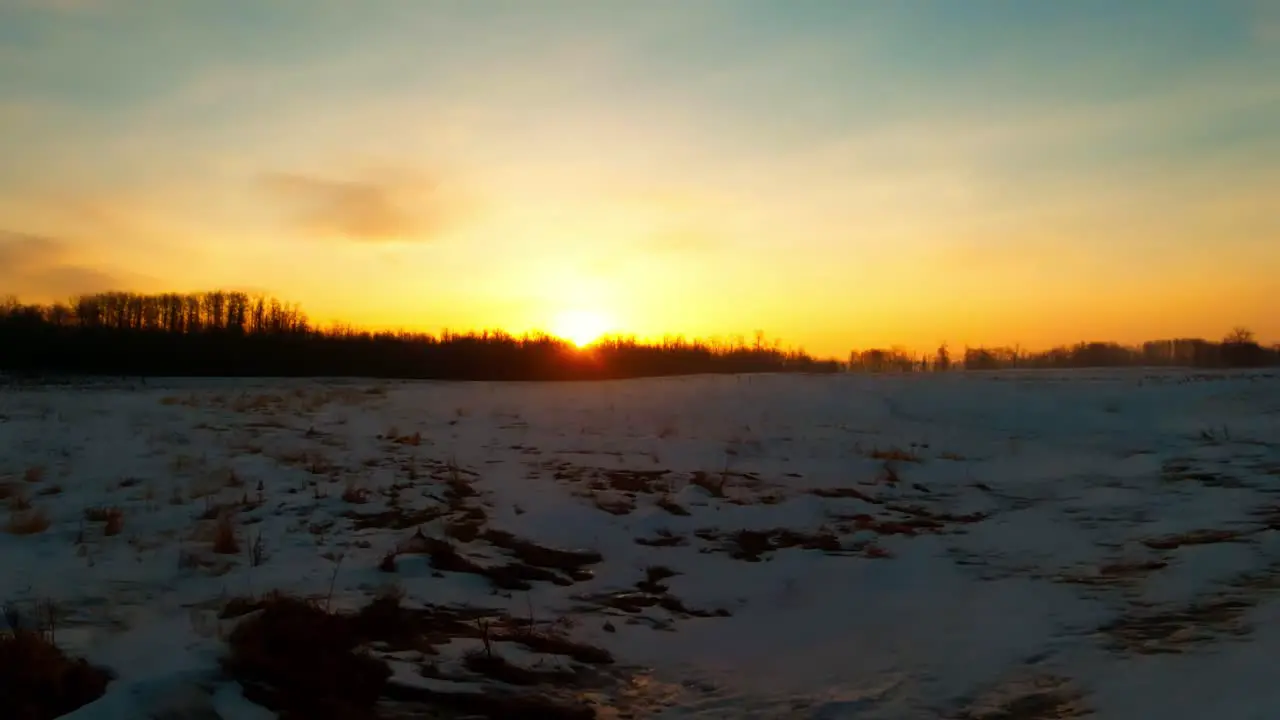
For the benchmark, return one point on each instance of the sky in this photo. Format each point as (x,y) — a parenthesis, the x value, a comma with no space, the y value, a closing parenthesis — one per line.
(835,173)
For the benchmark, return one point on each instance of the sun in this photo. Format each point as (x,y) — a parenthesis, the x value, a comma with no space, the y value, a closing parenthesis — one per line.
(580,327)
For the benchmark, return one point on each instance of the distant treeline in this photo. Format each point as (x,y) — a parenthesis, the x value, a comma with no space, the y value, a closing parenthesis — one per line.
(1237,350)
(235,334)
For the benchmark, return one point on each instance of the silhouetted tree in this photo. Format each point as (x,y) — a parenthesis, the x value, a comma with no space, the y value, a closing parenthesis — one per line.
(942,359)
(1240,350)
(1239,336)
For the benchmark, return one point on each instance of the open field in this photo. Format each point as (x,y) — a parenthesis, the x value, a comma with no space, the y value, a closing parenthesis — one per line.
(1014,546)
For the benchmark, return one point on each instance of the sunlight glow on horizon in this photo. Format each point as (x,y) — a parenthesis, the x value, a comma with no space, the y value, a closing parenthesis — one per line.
(580,327)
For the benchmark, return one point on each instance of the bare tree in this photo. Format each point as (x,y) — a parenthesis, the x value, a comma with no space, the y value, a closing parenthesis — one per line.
(1239,335)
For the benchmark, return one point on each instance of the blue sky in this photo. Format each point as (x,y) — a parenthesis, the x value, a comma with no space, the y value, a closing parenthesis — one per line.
(873,172)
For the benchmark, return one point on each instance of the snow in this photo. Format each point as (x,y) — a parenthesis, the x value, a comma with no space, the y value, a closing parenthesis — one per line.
(1043,488)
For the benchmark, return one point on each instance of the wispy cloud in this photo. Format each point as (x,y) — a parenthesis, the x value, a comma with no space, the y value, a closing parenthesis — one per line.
(41,267)
(380,210)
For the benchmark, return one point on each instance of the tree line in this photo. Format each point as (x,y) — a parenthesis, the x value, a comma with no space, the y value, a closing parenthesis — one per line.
(1239,349)
(237,335)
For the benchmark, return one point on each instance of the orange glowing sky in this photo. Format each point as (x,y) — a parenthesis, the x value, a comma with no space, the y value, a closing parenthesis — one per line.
(839,173)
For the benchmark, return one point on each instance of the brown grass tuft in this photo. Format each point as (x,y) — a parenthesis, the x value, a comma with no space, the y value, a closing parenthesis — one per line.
(894,454)
(1194,537)
(713,484)
(39,682)
(553,644)
(388,562)
(889,473)
(666,502)
(303,662)
(225,541)
(34,474)
(654,575)
(114,522)
(19,502)
(32,522)
(413,440)
(496,667)
(875,551)
(355,494)
(1156,630)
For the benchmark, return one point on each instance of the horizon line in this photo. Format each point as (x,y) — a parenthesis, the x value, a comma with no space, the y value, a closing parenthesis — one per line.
(731,340)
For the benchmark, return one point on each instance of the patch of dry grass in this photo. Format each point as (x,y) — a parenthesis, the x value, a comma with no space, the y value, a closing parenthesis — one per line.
(1193,537)
(225,541)
(714,484)
(303,662)
(388,562)
(114,524)
(534,564)
(188,401)
(654,575)
(39,682)
(663,538)
(257,403)
(111,517)
(571,562)
(18,501)
(889,474)
(894,454)
(98,514)
(313,462)
(1114,574)
(845,492)
(493,665)
(31,522)
(554,644)
(34,474)
(1037,698)
(354,494)
(753,545)
(666,502)
(1173,630)
(413,440)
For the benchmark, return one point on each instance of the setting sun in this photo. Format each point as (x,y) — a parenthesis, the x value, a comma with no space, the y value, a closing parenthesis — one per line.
(580,327)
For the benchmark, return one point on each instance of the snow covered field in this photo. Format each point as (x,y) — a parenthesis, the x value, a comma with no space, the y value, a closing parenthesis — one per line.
(1018,545)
